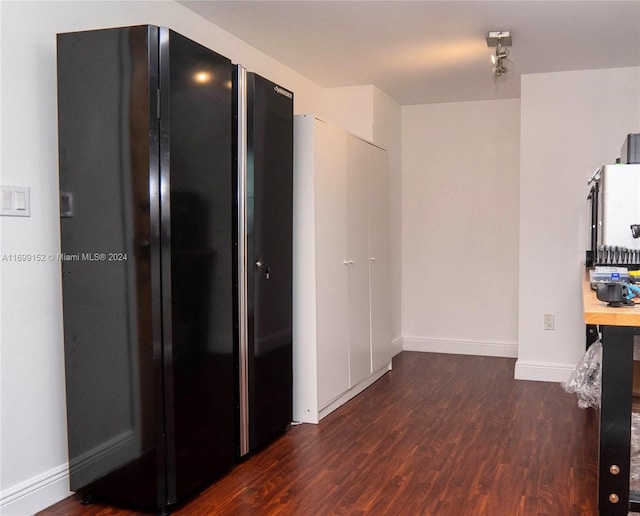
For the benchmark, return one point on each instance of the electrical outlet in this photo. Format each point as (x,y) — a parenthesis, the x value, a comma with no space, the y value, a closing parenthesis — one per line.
(549,323)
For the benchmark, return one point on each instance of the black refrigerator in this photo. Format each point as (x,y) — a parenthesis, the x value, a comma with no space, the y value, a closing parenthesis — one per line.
(149,207)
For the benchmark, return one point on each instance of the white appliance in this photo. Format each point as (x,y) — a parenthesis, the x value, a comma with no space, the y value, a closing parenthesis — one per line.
(619,201)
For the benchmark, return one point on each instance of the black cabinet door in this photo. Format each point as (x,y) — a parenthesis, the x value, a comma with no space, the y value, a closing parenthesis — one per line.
(269,250)
(197,261)
(108,135)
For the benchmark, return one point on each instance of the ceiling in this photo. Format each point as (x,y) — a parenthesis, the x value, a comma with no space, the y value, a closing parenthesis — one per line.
(421,52)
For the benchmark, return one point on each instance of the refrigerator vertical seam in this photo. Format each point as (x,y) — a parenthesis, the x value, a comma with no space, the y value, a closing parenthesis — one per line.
(242,262)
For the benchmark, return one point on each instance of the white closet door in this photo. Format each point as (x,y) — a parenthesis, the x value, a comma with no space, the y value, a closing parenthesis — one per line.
(379,259)
(358,245)
(331,255)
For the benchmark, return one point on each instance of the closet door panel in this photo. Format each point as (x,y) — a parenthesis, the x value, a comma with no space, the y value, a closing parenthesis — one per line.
(358,261)
(379,259)
(331,254)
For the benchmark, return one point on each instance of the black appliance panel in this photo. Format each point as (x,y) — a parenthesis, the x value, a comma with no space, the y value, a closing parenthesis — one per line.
(106,85)
(630,151)
(269,250)
(196,121)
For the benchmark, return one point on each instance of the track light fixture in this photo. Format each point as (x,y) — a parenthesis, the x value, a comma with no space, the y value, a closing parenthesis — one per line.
(500,59)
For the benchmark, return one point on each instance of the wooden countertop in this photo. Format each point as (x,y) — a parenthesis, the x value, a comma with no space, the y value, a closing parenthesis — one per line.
(597,312)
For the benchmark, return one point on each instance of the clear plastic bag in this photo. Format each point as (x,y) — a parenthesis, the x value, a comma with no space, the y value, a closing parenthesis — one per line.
(634,477)
(585,380)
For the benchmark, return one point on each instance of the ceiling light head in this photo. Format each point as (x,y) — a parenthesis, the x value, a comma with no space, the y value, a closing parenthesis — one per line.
(501,52)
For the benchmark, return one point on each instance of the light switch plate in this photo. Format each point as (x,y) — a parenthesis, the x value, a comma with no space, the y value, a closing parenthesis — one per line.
(16,201)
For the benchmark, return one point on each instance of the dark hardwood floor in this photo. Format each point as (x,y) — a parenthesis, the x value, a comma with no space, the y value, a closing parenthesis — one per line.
(438,435)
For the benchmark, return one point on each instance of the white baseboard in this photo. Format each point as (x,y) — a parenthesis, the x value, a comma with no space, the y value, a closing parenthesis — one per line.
(396,346)
(50,487)
(461,347)
(543,371)
(36,493)
(354,391)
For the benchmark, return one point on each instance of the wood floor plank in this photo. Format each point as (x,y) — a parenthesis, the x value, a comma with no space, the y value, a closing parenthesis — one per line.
(438,435)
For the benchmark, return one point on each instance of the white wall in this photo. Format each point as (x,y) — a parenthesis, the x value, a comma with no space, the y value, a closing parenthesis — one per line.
(572,123)
(387,132)
(340,105)
(33,451)
(460,166)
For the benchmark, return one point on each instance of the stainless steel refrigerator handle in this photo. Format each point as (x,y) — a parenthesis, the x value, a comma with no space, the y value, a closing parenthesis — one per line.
(243,350)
